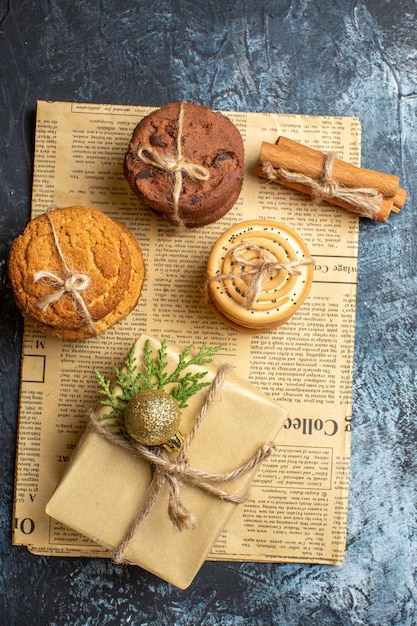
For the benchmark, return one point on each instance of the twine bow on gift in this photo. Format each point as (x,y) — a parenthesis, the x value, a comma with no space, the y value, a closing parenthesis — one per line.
(71,282)
(367,200)
(177,471)
(176,164)
(261,269)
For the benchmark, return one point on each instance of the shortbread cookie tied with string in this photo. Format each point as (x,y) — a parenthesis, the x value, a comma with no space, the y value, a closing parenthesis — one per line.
(259,273)
(185,162)
(75,272)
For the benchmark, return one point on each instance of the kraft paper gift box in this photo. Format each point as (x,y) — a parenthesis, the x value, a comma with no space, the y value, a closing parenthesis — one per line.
(105,487)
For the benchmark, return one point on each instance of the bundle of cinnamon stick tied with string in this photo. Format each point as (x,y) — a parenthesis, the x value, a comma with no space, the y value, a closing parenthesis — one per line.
(325,177)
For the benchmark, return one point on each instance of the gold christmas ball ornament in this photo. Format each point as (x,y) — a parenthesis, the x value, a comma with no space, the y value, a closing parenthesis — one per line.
(152,418)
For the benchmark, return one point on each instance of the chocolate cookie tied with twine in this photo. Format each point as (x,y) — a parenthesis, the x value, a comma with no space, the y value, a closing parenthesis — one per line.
(75,272)
(185,162)
(259,273)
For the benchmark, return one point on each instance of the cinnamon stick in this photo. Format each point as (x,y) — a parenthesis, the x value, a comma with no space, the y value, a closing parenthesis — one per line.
(283,161)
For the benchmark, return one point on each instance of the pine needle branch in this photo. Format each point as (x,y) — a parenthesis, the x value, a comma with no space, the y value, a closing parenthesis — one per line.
(153,374)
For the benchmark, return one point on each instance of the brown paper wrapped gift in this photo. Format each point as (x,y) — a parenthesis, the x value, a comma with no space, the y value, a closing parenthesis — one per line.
(105,487)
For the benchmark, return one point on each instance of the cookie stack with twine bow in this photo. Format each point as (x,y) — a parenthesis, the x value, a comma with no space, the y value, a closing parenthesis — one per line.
(75,272)
(185,162)
(259,272)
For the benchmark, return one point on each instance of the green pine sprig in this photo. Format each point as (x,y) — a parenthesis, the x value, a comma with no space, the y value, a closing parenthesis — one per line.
(152,374)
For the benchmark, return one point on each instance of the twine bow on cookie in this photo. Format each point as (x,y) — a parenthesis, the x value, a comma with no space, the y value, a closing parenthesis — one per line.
(177,471)
(367,200)
(260,270)
(71,282)
(176,164)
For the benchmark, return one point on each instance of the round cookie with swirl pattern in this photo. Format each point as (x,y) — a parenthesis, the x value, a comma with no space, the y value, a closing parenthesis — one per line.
(259,272)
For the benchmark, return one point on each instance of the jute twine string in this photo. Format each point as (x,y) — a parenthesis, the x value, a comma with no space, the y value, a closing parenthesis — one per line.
(262,268)
(176,164)
(71,282)
(177,471)
(367,200)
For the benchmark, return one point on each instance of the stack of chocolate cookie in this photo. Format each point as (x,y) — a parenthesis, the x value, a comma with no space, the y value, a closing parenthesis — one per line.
(185,162)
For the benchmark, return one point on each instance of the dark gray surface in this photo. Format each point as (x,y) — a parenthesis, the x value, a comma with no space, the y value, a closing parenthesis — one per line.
(300,56)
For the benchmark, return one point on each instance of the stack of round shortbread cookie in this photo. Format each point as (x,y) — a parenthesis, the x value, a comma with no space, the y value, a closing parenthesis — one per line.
(259,273)
(75,272)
